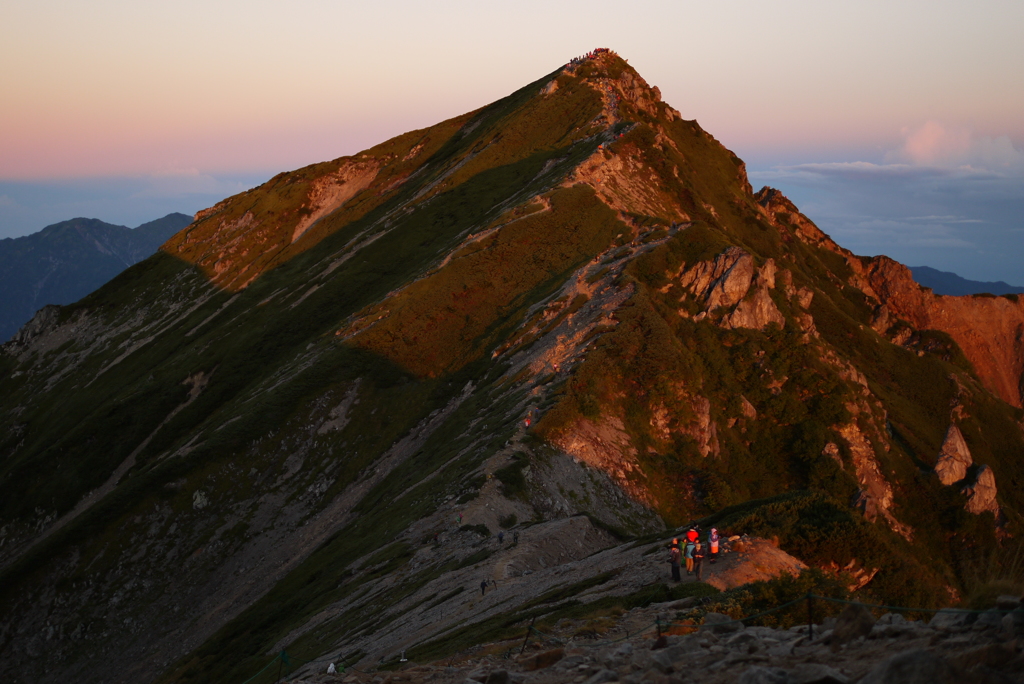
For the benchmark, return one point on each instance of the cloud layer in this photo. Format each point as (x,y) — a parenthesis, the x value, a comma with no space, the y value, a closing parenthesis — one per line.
(29,206)
(943,198)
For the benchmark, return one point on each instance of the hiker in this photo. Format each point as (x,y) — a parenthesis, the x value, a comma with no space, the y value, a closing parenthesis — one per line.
(515,537)
(501,537)
(713,544)
(688,554)
(698,560)
(483,587)
(673,558)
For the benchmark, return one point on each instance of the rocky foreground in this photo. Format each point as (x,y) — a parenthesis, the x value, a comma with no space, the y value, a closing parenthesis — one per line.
(854,648)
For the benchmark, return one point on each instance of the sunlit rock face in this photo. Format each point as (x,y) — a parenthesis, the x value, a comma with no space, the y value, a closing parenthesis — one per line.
(954,459)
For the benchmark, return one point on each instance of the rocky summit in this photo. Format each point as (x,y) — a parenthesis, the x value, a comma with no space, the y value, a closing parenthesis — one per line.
(403,409)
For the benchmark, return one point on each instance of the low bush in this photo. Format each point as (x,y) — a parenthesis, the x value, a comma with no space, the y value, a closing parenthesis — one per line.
(512,478)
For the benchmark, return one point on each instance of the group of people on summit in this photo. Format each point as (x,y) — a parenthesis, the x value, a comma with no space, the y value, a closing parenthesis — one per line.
(590,55)
(693,552)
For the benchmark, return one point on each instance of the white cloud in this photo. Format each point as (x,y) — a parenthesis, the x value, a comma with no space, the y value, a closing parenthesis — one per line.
(901,235)
(944,198)
(936,145)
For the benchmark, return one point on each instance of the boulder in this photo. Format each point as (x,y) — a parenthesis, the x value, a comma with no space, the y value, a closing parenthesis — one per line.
(986,655)
(950,618)
(954,457)
(756,312)
(990,619)
(763,675)
(892,619)
(748,411)
(816,673)
(720,624)
(855,621)
(603,676)
(663,661)
(913,667)
(724,281)
(1008,602)
(539,661)
(497,677)
(618,657)
(570,662)
(832,451)
(1017,621)
(745,642)
(682,604)
(981,494)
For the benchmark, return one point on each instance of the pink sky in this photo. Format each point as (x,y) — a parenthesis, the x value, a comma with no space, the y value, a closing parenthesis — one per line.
(115,88)
(897,126)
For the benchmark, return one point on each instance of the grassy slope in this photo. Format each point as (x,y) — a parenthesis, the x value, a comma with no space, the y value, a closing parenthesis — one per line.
(248,344)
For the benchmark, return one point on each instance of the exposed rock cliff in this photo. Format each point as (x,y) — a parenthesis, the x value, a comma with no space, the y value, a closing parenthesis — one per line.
(954,458)
(989,330)
(981,494)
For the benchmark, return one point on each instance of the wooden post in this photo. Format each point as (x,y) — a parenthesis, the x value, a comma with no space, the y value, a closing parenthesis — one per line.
(523,649)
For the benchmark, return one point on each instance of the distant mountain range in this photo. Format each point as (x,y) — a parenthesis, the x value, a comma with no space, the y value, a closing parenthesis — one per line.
(66,261)
(946,283)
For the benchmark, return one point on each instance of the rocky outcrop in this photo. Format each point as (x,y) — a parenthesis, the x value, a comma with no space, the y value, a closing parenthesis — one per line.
(606,446)
(726,281)
(954,458)
(757,311)
(782,213)
(722,281)
(989,330)
(875,496)
(329,192)
(981,493)
(751,560)
(953,465)
(45,319)
(704,429)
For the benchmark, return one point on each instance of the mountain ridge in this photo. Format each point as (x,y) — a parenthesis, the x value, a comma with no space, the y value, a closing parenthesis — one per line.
(566,304)
(949,283)
(66,261)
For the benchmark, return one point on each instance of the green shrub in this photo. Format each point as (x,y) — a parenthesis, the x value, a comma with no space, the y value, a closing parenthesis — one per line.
(513,481)
(759,597)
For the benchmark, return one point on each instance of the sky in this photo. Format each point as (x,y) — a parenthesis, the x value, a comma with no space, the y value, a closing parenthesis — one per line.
(898,127)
